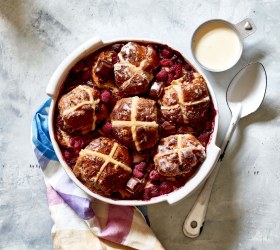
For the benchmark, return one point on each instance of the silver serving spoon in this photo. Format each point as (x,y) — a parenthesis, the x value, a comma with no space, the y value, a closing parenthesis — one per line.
(245,94)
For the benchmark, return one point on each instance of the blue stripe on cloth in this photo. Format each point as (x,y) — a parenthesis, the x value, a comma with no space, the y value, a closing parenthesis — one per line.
(80,205)
(40,132)
(144,211)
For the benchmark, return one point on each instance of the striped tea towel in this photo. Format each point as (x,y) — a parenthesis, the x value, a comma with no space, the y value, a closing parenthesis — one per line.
(79,221)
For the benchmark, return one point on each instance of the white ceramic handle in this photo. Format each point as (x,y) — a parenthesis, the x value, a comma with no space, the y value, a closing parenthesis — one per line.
(194,221)
(63,69)
(246,27)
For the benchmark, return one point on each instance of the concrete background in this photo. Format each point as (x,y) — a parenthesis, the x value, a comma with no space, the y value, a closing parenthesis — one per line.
(35,36)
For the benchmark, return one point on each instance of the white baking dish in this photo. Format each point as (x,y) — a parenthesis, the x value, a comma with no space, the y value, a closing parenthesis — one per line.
(52,90)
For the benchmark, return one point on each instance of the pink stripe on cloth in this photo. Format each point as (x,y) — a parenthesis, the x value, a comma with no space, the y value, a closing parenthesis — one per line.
(118,224)
(53,197)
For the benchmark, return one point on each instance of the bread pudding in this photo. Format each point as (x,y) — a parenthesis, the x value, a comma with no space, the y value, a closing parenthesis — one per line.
(133,120)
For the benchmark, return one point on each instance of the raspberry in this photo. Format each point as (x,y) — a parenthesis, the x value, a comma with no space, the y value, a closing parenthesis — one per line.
(66,155)
(76,142)
(141,166)
(162,76)
(154,175)
(166,62)
(150,192)
(105,96)
(166,187)
(138,174)
(176,70)
(107,128)
(166,53)
(154,191)
(70,157)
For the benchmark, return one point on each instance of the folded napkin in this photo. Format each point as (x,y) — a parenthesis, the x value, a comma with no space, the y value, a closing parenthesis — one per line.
(79,221)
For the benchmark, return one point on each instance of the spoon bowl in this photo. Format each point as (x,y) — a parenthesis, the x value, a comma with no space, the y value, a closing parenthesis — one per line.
(247,88)
(245,94)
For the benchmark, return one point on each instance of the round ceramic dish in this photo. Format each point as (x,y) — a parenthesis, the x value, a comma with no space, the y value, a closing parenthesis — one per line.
(53,88)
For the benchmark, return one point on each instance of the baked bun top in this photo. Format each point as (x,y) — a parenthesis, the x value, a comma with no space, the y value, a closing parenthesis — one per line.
(178,154)
(134,122)
(77,109)
(185,101)
(104,166)
(134,70)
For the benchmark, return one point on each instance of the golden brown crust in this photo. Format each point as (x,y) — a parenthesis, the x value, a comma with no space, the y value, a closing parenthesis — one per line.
(178,154)
(77,109)
(134,71)
(104,166)
(134,122)
(185,101)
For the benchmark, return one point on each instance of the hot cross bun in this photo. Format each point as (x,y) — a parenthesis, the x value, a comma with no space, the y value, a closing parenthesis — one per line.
(104,166)
(178,154)
(134,71)
(77,109)
(134,122)
(185,101)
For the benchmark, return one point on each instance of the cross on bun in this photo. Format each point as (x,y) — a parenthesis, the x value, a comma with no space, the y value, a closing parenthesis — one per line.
(134,122)
(104,166)
(77,109)
(178,154)
(134,71)
(185,101)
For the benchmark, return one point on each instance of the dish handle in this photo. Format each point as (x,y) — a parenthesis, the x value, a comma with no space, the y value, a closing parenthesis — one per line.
(62,70)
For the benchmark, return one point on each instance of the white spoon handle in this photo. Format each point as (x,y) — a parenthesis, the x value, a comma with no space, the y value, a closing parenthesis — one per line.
(193,224)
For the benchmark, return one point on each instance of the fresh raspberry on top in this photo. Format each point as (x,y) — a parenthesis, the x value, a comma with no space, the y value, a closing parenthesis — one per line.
(166,62)
(151,192)
(154,175)
(107,128)
(166,187)
(138,174)
(76,142)
(162,76)
(105,96)
(166,53)
(154,191)
(141,166)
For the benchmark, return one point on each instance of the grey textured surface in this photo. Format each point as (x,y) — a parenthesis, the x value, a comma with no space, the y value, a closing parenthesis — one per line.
(35,36)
